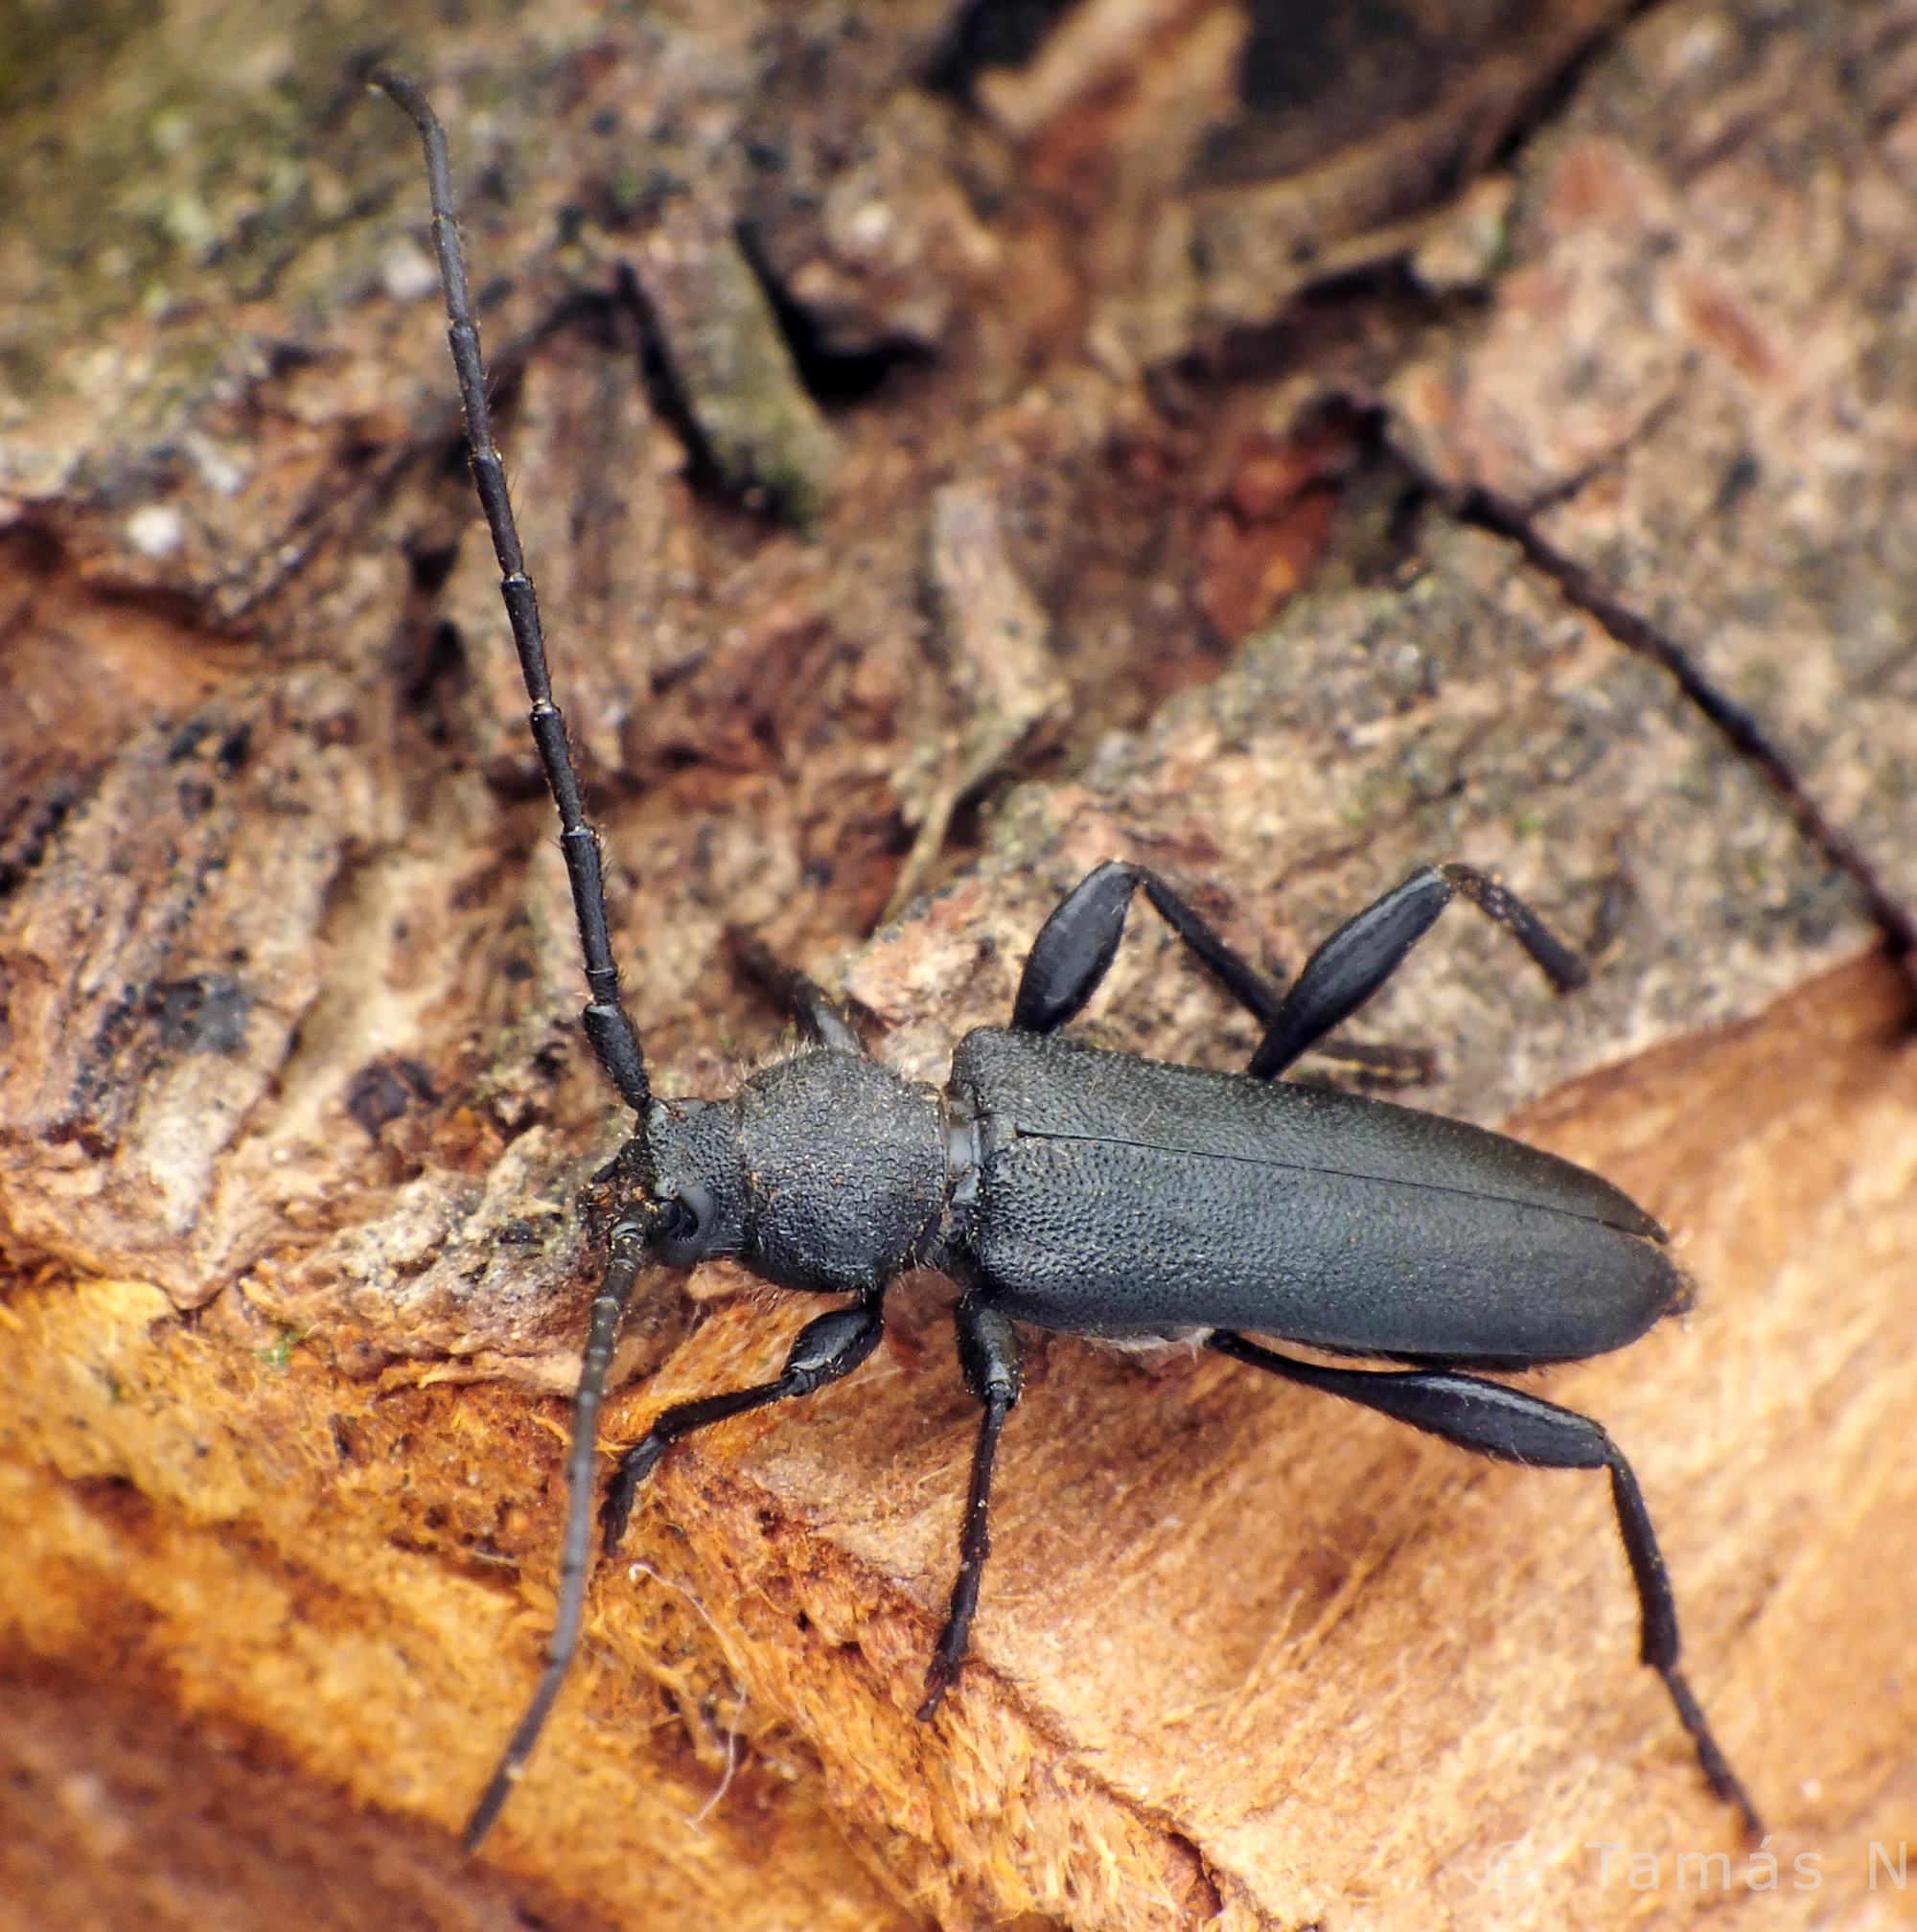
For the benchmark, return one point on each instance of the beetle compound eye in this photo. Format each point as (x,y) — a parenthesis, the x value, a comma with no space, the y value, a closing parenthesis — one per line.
(672,1221)
(684,1225)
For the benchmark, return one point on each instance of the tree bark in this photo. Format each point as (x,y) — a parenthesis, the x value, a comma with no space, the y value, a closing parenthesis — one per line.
(823,388)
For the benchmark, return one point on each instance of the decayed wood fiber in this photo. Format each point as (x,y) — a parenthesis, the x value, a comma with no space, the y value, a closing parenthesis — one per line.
(1239,1652)
(263,1547)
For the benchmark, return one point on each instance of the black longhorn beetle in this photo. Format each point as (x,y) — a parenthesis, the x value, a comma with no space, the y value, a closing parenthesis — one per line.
(1096,1192)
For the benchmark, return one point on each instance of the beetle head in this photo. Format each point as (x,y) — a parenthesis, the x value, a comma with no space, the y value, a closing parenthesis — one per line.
(697,1180)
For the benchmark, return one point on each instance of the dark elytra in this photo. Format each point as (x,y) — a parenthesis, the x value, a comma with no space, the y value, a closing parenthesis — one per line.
(1094,1193)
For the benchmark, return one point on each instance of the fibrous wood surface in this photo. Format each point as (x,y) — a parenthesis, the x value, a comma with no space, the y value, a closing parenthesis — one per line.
(917,494)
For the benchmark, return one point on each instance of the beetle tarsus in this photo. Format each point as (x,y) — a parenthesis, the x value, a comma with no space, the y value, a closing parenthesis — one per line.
(1513,1426)
(1717,1767)
(825,1349)
(940,1676)
(1371,946)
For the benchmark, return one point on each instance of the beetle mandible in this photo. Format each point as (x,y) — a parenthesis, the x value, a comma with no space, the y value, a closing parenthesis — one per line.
(1094,1193)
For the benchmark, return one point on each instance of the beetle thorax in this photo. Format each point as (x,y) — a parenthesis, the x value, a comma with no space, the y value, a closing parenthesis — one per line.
(826,1171)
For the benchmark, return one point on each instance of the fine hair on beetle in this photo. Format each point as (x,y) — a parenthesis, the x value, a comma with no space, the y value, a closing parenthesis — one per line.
(1096,1193)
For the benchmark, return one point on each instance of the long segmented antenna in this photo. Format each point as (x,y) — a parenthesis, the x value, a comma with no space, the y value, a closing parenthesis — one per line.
(614,1039)
(628,1250)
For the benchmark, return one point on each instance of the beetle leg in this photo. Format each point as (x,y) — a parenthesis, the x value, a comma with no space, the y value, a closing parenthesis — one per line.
(821,1018)
(1075,947)
(1367,949)
(1514,1427)
(825,1349)
(989,1351)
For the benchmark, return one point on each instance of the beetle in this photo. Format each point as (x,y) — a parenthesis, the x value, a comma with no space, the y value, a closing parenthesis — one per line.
(1094,1192)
